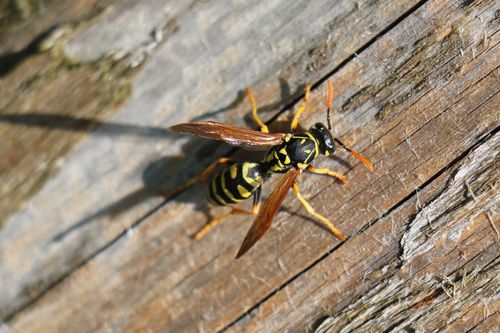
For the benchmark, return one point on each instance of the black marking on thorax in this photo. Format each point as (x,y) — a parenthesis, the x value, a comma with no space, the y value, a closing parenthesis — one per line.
(297,151)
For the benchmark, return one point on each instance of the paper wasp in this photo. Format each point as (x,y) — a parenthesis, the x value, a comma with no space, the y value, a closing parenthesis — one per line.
(288,153)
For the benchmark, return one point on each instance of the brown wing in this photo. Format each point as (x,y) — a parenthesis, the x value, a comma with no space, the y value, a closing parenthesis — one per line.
(235,136)
(268,211)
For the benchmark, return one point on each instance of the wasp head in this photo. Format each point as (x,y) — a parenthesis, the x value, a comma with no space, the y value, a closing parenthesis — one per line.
(324,138)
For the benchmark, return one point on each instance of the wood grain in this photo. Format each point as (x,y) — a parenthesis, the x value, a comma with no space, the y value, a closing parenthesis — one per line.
(109,181)
(421,102)
(424,265)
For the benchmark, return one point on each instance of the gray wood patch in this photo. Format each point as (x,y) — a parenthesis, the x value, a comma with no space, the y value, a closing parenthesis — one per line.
(96,250)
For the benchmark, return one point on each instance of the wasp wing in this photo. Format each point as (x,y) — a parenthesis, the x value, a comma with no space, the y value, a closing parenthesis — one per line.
(268,211)
(235,136)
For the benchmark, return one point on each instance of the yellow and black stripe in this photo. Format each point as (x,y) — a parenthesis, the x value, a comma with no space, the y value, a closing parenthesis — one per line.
(235,184)
(298,151)
(239,181)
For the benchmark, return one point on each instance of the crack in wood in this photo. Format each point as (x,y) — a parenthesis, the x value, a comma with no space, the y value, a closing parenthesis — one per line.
(389,268)
(402,258)
(438,298)
(468,163)
(482,140)
(10,316)
(419,223)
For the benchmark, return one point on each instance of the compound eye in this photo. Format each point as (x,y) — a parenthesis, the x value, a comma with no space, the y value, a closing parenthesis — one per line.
(330,147)
(324,138)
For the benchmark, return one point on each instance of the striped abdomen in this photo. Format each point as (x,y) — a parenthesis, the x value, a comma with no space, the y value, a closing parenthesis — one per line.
(235,184)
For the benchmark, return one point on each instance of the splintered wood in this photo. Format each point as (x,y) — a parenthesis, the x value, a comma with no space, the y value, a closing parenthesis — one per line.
(416,90)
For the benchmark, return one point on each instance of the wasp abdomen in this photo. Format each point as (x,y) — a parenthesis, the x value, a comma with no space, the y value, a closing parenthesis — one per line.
(235,183)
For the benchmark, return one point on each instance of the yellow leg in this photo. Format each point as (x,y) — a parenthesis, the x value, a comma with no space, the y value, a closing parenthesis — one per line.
(263,127)
(234,211)
(255,210)
(319,217)
(328,172)
(203,176)
(295,120)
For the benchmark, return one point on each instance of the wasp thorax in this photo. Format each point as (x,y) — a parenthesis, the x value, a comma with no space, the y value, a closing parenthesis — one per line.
(324,137)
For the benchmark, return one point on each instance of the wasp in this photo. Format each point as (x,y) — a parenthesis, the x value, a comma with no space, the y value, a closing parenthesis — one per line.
(287,153)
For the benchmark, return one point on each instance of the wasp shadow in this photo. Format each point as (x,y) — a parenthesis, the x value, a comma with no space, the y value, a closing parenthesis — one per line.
(95,127)
(159,175)
(9,61)
(50,120)
(286,99)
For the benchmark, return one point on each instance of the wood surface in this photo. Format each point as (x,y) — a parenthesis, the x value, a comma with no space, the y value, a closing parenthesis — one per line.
(86,245)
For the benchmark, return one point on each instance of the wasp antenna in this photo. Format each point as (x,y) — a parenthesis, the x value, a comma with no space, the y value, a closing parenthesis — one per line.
(329,103)
(357,155)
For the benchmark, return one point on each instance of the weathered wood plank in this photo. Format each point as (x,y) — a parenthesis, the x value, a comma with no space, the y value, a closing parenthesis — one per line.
(108,182)
(409,154)
(424,266)
(23,22)
(36,83)
(159,279)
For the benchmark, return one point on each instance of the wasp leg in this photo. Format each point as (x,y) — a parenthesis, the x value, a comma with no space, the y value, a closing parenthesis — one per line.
(295,120)
(328,172)
(319,217)
(256,118)
(256,200)
(234,211)
(212,223)
(203,176)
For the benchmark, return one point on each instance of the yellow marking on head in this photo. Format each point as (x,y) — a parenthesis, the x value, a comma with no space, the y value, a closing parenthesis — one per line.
(233,170)
(302,141)
(302,166)
(308,151)
(287,160)
(327,153)
(283,151)
(244,192)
